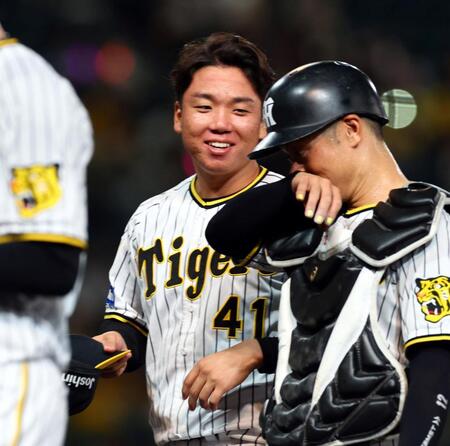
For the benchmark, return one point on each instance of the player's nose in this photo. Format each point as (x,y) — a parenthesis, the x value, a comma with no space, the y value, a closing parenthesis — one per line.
(220,121)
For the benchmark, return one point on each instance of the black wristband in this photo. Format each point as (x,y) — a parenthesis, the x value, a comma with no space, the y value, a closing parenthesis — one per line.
(135,340)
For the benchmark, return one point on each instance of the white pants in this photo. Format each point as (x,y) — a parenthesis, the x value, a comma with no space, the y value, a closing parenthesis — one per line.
(33,404)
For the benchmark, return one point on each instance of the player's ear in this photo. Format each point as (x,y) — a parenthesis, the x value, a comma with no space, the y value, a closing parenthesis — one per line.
(352,127)
(177,117)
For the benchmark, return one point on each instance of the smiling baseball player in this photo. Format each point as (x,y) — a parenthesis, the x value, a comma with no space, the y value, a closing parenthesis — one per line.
(173,300)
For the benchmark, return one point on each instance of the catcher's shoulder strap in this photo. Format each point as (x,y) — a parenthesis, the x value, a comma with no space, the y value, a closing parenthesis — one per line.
(408,220)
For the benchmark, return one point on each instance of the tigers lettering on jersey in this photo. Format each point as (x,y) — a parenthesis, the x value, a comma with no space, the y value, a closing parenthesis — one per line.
(192,301)
(200,261)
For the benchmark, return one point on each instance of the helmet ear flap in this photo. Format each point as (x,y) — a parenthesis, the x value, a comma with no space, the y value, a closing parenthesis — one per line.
(312,97)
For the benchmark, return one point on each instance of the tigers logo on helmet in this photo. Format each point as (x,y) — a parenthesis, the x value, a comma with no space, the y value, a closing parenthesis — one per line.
(268,118)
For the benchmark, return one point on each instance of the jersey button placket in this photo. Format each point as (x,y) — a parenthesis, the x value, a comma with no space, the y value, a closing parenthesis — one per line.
(188,328)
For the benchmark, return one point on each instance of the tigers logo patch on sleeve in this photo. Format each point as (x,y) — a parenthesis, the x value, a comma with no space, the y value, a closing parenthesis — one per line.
(434,297)
(35,188)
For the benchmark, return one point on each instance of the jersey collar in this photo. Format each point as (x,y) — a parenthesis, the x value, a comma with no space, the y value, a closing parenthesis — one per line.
(8,41)
(209,203)
(359,209)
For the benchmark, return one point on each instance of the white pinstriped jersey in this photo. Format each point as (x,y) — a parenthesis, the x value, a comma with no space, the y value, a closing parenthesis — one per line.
(407,297)
(413,297)
(167,281)
(45,145)
(408,307)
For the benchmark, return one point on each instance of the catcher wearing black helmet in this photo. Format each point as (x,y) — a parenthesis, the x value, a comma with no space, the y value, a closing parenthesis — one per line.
(312,96)
(368,297)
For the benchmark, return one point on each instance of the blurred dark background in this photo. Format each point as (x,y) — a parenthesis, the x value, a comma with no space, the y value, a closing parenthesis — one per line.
(118,54)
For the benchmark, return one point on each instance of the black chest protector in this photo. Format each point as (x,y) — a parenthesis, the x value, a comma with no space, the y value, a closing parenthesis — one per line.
(363,398)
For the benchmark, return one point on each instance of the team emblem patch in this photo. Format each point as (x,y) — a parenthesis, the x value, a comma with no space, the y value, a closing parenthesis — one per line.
(35,188)
(111,298)
(434,297)
(267,112)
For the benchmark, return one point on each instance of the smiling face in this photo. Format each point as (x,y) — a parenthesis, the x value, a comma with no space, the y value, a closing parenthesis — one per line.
(219,120)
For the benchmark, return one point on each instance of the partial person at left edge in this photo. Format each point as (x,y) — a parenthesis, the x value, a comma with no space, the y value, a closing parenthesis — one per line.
(45,145)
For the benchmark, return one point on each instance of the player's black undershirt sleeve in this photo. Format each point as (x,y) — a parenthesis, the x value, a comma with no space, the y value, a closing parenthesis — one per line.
(134,339)
(256,216)
(269,347)
(34,268)
(428,396)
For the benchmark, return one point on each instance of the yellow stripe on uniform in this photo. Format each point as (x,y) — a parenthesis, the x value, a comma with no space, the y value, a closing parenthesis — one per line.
(21,403)
(427,339)
(228,197)
(9,41)
(249,256)
(36,237)
(126,321)
(360,209)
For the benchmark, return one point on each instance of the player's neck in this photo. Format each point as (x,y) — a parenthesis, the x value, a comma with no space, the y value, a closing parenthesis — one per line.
(221,185)
(3,34)
(375,183)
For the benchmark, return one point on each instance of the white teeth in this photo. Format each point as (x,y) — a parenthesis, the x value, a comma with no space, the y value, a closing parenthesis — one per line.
(434,307)
(220,145)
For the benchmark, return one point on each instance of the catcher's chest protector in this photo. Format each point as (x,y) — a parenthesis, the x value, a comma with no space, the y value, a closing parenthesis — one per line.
(341,384)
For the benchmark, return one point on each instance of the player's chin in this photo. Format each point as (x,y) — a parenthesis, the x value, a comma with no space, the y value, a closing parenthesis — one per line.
(226,164)
(218,167)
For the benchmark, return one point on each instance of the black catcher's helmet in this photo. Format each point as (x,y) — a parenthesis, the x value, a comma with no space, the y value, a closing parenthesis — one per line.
(313,96)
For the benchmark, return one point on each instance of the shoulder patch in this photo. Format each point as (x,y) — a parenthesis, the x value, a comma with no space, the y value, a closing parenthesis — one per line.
(110,298)
(433,296)
(35,188)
